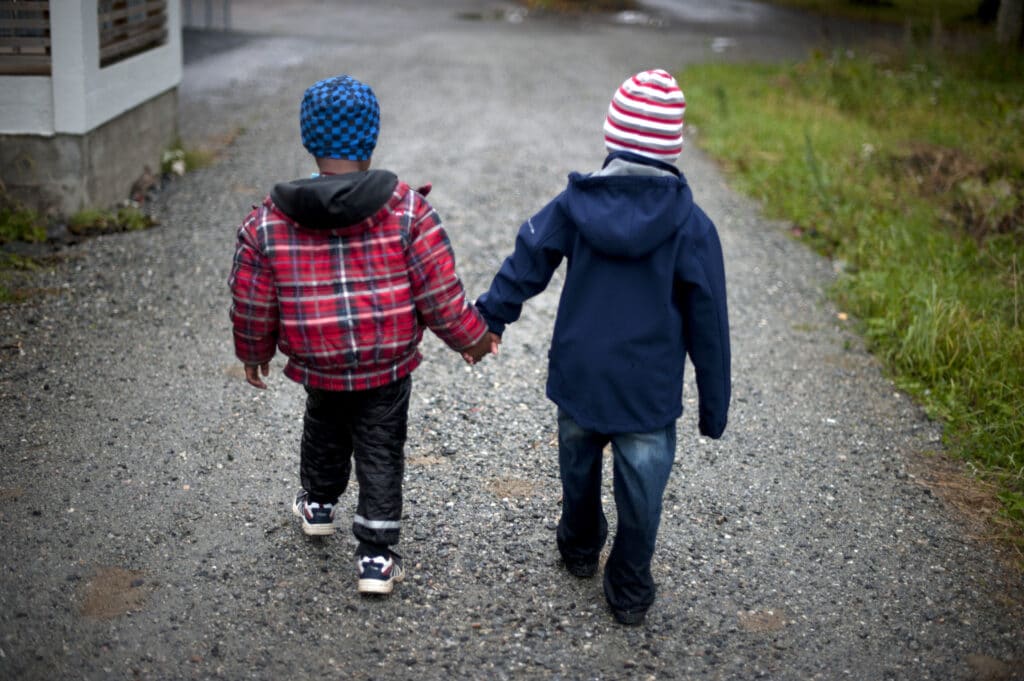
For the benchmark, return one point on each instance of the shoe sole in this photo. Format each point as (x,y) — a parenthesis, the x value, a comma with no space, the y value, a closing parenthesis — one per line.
(378,586)
(629,619)
(317,530)
(310,530)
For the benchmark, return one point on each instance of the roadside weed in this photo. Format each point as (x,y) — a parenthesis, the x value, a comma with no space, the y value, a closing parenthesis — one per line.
(18,223)
(178,159)
(916,12)
(124,219)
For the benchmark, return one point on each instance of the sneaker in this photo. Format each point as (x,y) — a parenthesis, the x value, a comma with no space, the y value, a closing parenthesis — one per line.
(378,574)
(317,519)
(581,568)
(630,618)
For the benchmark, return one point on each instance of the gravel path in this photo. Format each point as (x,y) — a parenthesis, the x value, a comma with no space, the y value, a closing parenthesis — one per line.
(145,531)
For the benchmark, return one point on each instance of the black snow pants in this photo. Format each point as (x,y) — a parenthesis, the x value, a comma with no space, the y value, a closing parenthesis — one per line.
(371,425)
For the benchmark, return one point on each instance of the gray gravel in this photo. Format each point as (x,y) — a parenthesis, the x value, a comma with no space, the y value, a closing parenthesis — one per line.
(145,531)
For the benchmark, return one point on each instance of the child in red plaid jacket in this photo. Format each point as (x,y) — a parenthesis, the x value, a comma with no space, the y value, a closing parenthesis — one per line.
(341,272)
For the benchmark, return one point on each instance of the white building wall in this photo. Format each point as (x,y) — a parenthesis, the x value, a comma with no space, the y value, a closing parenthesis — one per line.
(26,105)
(80,96)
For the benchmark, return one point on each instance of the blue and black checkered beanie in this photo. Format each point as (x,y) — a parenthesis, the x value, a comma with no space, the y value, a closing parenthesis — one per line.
(340,118)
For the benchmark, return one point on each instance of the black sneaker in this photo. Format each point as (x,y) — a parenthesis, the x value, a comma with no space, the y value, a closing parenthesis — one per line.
(631,618)
(378,574)
(581,568)
(317,519)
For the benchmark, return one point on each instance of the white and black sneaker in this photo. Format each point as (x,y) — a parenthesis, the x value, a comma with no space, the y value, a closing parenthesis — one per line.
(317,519)
(378,574)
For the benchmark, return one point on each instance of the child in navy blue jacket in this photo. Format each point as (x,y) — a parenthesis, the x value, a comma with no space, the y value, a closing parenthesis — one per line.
(644,287)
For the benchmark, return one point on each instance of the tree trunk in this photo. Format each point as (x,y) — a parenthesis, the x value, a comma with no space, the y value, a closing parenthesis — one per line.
(1010,23)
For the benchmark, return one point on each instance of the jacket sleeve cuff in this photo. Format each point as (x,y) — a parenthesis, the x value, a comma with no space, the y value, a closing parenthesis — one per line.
(248,352)
(711,428)
(494,325)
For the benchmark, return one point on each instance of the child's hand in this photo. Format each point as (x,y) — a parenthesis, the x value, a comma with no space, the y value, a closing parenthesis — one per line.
(252,374)
(486,345)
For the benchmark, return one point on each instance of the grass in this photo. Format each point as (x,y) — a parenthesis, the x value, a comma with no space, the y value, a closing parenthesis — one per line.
(19,276)
(178,159)
(908,168)
(18,223)
(916,12)
(93,222)
(10,265)
(21,224)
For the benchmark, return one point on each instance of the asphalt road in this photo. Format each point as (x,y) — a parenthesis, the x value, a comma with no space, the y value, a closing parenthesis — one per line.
(145,529)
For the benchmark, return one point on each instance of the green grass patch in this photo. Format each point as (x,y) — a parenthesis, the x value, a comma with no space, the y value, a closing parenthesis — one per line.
(908,168)
(124,219)
(178,160)
(18,223)
(918,12)
(18,276)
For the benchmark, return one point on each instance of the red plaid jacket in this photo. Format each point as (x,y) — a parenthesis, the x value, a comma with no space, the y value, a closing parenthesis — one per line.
(348,305)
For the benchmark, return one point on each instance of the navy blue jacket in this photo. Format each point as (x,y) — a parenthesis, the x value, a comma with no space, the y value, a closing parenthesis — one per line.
(644,286)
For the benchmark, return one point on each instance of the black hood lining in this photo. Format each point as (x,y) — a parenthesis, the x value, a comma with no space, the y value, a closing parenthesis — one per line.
(334,201)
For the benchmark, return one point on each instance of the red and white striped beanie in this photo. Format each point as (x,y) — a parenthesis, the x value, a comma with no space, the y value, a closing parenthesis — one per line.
(646,117)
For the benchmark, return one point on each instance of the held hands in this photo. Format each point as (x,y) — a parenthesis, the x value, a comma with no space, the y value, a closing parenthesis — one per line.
(252,374)
(486,345)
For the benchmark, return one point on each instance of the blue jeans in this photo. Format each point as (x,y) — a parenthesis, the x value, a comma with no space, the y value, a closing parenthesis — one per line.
(641,466)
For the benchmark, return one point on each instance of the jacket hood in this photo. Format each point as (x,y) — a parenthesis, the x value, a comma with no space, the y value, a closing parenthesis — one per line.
(334,201)
(629,207)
